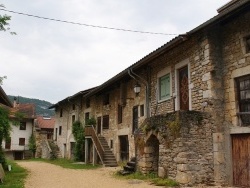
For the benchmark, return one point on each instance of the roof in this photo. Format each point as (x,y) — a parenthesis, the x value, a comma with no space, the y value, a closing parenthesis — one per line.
(80,93)
(27,110)
(4,99)
(45,122)
(230,8)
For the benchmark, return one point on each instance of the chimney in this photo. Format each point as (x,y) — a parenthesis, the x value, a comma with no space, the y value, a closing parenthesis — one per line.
(15,103)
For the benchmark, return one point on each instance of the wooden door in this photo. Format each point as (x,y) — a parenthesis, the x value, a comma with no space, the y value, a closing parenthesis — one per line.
(183,88)
(135,118)
(18,155)
(241,160)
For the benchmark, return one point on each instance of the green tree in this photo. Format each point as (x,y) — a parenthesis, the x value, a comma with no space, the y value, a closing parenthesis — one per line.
(32,144)
(4,22)
(5,129)
(79,135)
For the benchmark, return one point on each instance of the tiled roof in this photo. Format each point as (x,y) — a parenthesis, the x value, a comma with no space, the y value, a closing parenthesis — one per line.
(27,110)
(45,122)
(4,98)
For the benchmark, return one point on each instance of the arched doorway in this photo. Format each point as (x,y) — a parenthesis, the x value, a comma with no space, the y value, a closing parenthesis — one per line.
(151,154)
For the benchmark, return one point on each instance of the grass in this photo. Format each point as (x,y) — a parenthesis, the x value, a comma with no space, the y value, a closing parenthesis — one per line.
(151,177)
(67,163)
(14,178)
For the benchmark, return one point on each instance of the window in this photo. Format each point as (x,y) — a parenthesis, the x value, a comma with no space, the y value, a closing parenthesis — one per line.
(164,87)
(61,112)
(105,122)
(22,125)
(243,87)
(21,141)
(106,99)
(119,114)
(142,110)
(87,103)
(73,119)
(111,144)
(73,107)
(60,130)
(247,43)
(86,117)
(7,143)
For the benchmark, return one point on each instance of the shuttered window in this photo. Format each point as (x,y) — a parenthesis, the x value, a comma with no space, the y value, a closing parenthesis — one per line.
(164,87)
(105,121)
(119,114)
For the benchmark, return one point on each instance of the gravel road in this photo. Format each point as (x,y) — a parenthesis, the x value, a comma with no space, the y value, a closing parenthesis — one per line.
(44,175)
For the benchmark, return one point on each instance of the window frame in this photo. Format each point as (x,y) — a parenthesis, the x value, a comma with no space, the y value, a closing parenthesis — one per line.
(23,125)
(166,72)
(119,114)
(142,110)
(105,122)
(243,114)
(21,141)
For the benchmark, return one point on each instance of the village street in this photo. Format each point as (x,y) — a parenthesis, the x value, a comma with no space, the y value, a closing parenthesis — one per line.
(44,175)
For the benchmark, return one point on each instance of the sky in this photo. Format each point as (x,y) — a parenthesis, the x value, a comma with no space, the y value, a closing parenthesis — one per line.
(50,60)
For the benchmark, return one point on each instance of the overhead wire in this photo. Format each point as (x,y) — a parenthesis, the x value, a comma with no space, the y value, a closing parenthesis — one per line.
(86,25)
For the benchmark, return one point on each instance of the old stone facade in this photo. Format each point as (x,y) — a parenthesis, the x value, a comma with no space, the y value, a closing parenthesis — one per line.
(192,112)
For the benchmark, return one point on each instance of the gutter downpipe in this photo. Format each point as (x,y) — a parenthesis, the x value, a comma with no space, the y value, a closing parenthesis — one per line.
(140,79)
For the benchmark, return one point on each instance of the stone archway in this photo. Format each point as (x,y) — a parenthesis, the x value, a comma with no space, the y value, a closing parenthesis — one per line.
(151,155)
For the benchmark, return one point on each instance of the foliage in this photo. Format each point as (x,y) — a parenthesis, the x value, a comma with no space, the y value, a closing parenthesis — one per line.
(14,178)
(79,135)
(32,144)
(90,121)
(2,78)
(18,118)
(151,177)
(4,19)
(41,105)
(5,129)
(65,163)
(54,149)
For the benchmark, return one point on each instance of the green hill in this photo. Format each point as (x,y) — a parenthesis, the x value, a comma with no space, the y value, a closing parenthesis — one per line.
(41,105)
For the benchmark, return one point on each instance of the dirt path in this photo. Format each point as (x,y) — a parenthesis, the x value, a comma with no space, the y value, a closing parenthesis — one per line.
(44,175)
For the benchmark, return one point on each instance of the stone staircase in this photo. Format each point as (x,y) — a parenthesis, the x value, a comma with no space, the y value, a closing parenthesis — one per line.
(108,156)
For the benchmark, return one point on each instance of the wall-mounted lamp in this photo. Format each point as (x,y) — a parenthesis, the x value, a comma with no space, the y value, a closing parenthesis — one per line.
(137,88)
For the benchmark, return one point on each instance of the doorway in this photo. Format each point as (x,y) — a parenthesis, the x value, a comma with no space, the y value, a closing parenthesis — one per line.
(124,148)
(135,119)
(183,88)
(241,160)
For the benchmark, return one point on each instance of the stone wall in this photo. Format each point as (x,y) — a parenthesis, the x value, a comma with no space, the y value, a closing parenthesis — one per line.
(185,148)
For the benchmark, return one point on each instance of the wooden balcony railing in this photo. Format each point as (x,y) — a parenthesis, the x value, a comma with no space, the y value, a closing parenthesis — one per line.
(90,132)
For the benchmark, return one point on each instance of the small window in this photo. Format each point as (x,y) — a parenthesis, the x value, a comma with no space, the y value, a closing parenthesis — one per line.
(119,114)
(106,99)
(22,125)
(60,130)
(61,112)
(243,87)
(73,107)
(105,121)
(21,141)
(73,119)
(247,43)
(7,143)
(142,110)
(164,87)
(87,103)
(86,117)
(111,144)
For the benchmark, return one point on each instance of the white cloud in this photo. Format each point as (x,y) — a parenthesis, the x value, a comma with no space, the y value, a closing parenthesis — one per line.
(51,60)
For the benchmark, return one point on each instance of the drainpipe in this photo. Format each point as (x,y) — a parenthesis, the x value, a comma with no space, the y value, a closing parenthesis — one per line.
(144,82)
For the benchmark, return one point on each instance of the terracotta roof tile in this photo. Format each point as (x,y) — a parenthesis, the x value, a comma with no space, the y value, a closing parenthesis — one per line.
(45,122)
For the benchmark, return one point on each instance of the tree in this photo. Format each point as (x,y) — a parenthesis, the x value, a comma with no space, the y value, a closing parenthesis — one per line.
(4,22)
(2,78)
(79,135)
(5,129)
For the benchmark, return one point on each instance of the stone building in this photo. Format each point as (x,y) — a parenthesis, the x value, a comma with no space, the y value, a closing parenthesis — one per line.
(190,121)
